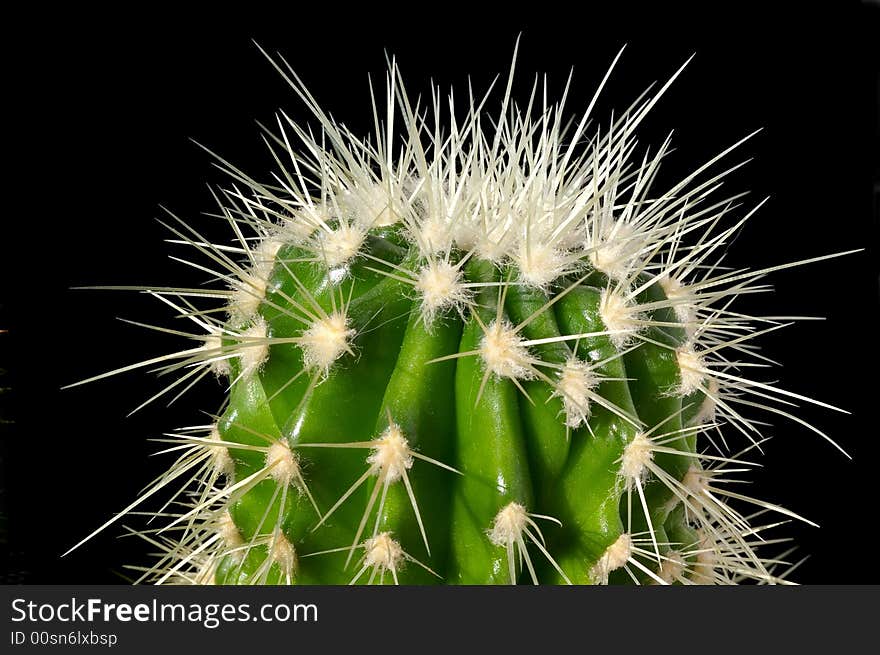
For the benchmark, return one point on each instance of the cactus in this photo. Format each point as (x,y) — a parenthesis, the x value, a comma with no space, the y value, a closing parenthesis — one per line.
(487,353)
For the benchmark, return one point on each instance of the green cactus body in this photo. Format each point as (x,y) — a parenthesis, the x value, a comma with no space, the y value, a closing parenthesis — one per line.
(500,454)
(491,361)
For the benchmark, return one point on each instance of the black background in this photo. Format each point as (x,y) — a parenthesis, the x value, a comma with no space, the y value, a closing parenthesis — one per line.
(104,106)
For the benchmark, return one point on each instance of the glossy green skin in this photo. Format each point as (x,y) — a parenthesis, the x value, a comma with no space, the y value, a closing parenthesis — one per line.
(506,447)
(490,452)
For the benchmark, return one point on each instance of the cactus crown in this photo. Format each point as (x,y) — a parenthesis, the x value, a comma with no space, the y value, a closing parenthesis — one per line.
(475,349)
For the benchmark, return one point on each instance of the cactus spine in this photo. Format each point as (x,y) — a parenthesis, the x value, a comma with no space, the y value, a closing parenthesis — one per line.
(492,352)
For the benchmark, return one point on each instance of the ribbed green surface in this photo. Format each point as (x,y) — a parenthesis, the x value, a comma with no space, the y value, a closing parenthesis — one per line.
(506,444)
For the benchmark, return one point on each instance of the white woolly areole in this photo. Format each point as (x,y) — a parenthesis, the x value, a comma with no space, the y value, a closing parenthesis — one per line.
(685,311)
(616,252)
(435,233)
(440,285)
(341,245)
(691,367)
(706,558)
(490,247)
(636,457)
(325,341)
(672,287)
(391,456)
(671,568)
(619,316)
(214,346)
(576,381)
(298,227)
(284,554)
(503,352)
(539,264)
(706,413)
(283,462)
(696,481)
(250,291)
(296,231)
(465,235)
(253,347)
(383,553)
(509,524)
(228,531)
(372,206)
(614,557)
(266,251)
(220,457)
